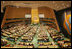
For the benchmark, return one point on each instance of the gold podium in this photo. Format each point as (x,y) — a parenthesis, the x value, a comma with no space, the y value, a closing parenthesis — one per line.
(35,17)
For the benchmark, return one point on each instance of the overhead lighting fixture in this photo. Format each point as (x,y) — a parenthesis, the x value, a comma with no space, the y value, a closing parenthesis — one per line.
(25,3)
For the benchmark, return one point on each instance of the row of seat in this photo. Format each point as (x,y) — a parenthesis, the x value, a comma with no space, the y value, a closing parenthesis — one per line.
(24,34)
(65,43)
(42,35)
(15,32)
(30,34)
(55,35)
(59,38)
(49,46)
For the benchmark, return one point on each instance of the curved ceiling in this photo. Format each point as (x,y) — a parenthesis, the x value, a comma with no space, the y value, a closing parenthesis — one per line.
(56,5)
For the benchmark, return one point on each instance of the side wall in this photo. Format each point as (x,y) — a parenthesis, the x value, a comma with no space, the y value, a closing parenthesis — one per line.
(49,18)
(14,14)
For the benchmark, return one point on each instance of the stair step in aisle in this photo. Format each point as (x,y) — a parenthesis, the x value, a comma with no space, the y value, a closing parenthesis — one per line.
(34,41)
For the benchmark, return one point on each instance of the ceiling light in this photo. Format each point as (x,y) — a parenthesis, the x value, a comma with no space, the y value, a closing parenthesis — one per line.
(25,3)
